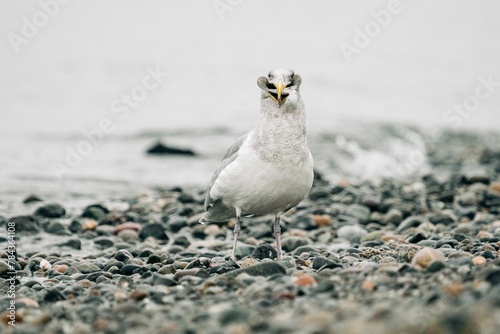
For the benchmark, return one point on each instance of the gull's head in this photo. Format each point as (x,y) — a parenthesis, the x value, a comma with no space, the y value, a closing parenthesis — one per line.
(279,85)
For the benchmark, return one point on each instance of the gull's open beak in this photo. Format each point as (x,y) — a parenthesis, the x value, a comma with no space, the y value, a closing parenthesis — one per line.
(279,87)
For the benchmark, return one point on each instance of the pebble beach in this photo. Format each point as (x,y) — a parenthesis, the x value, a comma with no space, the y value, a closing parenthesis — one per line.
(411,255)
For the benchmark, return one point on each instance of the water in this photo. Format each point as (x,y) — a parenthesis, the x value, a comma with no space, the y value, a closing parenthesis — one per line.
(368,118)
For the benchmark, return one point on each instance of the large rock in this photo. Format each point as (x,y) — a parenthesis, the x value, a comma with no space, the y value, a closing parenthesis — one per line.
(153,230)
(161,149)
(52,210)
(26,224)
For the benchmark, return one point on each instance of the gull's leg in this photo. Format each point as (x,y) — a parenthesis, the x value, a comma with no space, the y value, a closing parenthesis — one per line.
(277,235)
(237,229)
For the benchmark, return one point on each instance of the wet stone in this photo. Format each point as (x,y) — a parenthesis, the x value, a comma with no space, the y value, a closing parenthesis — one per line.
(324,263)
(264,251)
(155,230)
(351,233)
(261,269)
(26,224)
(291,243)
(51,211)
(95,212)
(358,211)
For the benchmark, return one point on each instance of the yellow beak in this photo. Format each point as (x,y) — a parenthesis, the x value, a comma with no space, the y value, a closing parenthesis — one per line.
(279,87)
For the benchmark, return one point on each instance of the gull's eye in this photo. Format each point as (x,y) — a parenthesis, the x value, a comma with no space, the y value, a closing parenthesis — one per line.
(269,75)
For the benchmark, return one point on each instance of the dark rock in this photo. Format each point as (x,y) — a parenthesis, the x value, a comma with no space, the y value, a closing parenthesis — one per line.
(75,226)
(155,230)
(409,223)
(186,198)
(95,212)
(26,224)
(52,295)
(31,199)
(123,255)
(182,240)
(372,202)
(290,243)
(441,242)
(53,210)
(161,149)
(261,269)
(302,249)
(489,254)
(493,277)
(303,221)
(104,242)
(416,238)
(203,263)
(175,223)
(324,263)
(72,243)
(480,176)
(234,315)
(318,193)
(162,280)
(441,218)
(130,269)
(265,251)
(435,266)
(55,227)
(153,258)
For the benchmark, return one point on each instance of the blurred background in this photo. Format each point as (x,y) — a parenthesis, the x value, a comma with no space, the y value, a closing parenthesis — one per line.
(189,69)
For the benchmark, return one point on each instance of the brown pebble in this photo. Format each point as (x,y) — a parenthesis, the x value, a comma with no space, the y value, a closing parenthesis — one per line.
(120,295)
(368,285)
(252,241)
(84,283)
(322,220)
(454,289)
(484,235)
(5,316)
(248,262)
(426,256)
(127,226)
(89,225)
(495,186)
(61,268)
(187,272)
(212,229)
(28,302)
(298,233)
(479,260)
(138,295)
(303,280)
(100,324)
(238,329)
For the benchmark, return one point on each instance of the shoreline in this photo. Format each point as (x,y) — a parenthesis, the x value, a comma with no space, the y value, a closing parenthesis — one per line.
(410,255)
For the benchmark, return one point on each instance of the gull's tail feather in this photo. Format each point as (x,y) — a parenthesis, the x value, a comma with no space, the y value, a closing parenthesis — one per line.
(218,212)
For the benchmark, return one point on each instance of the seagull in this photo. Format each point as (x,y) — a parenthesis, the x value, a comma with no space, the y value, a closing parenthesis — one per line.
(269,170)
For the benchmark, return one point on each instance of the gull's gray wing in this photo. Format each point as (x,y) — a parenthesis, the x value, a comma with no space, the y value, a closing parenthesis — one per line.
(230,156)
